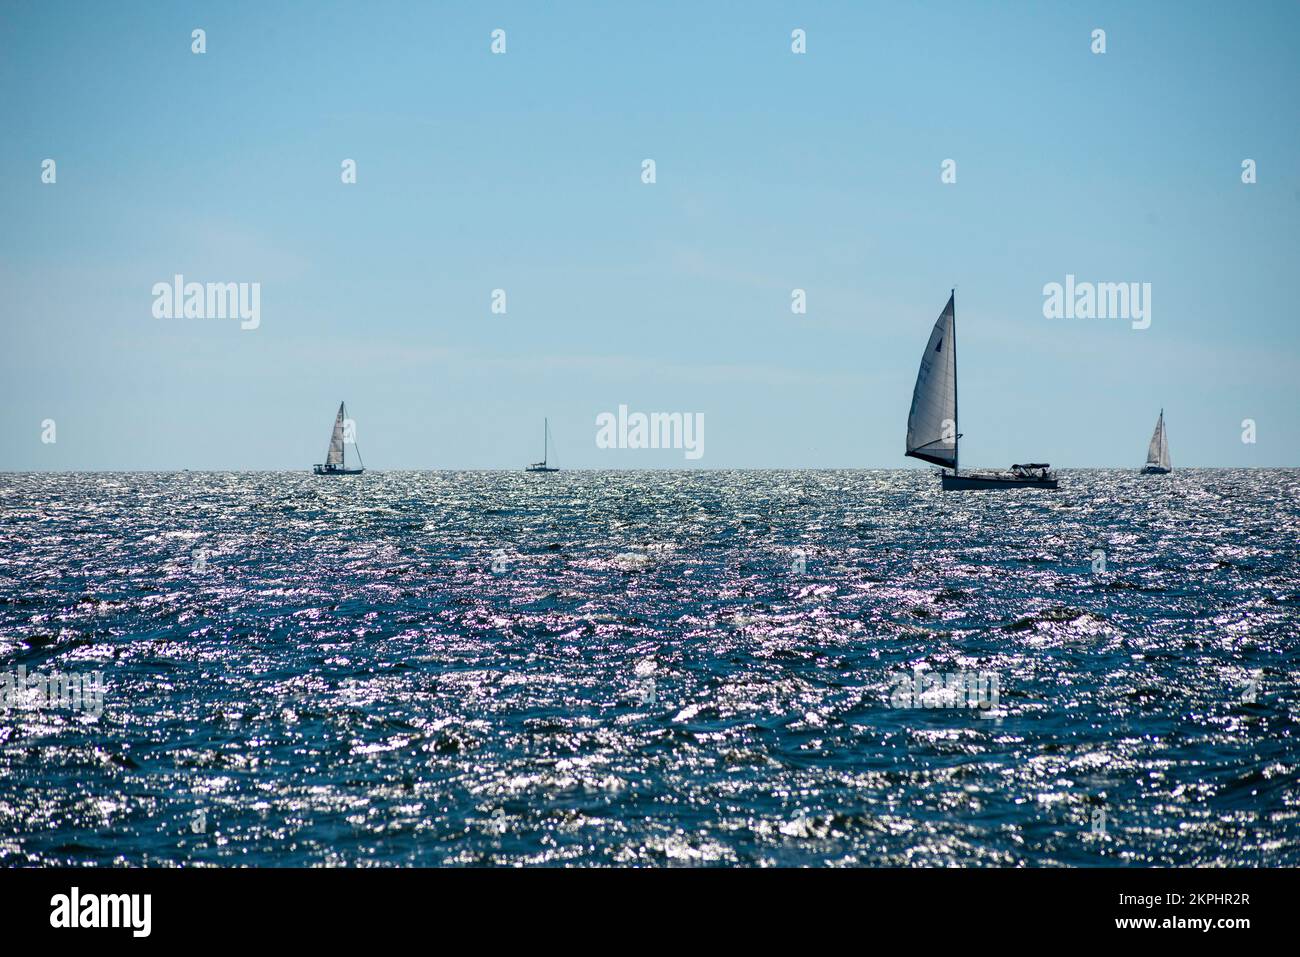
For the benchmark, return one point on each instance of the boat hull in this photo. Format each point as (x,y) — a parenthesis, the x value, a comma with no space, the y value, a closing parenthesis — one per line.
(992,483)
(321,470)
(535,468)
(1155,470)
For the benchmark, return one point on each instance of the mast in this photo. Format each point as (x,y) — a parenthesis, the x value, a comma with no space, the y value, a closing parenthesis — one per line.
(1158,448)
(1164,443)
(956,436)
(343,446)
(356,448)
(546,438)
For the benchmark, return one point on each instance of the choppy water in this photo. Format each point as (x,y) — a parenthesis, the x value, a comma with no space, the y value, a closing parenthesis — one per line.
(330,671)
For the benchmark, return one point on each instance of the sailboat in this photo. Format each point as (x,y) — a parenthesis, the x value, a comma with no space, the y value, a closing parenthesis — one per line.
(546,447)
(932,422)
(335,463)
(1158,450)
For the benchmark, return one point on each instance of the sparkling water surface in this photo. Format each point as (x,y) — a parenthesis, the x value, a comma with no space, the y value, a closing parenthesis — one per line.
(651,668)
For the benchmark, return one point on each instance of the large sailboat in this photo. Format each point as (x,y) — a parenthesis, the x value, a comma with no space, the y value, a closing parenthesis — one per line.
(932,422)
(546,451)
(1158,450)
(335,461)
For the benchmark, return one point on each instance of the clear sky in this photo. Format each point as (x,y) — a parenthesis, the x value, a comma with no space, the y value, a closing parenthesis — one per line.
(522,171)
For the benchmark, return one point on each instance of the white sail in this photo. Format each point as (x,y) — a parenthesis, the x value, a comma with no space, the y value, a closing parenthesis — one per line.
(335,454)
(932,423)
(1158,449)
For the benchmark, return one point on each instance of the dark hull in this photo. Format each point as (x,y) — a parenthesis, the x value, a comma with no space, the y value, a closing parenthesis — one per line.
(319,470)
(988,483)
(534,468)
(1155,470)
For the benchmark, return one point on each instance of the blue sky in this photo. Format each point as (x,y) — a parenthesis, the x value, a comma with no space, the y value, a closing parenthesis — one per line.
(775,171)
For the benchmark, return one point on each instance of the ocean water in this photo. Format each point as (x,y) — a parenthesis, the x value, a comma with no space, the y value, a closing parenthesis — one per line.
(651,668)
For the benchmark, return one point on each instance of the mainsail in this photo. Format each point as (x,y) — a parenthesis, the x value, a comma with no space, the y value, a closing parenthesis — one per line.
(932,423)
(1158,450)
(335,454)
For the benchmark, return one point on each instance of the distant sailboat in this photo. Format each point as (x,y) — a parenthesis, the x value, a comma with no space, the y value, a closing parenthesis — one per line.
(546,448)
(1158,450)
(932,422)
(335,464)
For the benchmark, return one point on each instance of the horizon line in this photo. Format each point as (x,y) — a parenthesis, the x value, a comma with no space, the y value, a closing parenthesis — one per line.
(522,470)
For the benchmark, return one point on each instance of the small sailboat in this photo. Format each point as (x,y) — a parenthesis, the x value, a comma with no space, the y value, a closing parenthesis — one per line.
(335,463)
(546,450)
(1158,450)
(932,422)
